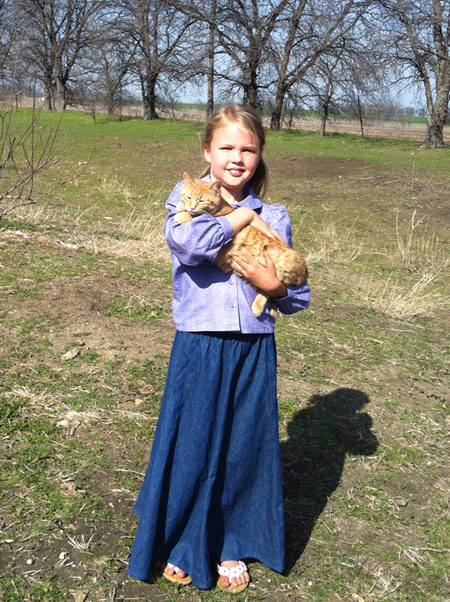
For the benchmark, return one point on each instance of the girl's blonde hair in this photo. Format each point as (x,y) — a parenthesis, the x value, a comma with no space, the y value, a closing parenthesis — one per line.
(248,118)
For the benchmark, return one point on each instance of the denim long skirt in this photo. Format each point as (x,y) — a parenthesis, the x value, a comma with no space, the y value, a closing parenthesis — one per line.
(212,490)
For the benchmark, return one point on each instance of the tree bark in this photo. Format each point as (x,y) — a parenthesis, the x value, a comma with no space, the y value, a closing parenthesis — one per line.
(251,91)
(150,98)
(325,108)
(60,100)
(275,118)
(211,51)
(437,114)
(431,58)
(48,95)
(360,117)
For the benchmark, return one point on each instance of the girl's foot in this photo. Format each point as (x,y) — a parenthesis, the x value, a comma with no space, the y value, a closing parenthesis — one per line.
(234,577)
(174,574)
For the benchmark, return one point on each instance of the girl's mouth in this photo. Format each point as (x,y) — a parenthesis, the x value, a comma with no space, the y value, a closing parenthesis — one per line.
(236,172)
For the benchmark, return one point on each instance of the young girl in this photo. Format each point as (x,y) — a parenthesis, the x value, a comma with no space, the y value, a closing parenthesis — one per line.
(212,492)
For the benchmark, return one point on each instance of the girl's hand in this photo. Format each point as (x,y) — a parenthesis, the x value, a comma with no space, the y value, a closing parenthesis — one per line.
(262,277)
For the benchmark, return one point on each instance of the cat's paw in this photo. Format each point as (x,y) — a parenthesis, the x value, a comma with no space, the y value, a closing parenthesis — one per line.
(273,310)
(182,217)
(180,206)
(259,304)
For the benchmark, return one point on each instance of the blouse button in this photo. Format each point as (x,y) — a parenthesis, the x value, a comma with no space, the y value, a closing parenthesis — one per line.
(232,305)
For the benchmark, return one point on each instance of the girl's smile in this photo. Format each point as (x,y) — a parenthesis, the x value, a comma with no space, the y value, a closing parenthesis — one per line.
(234,155)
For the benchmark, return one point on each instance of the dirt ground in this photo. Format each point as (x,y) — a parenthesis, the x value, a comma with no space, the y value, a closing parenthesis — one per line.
(79,307)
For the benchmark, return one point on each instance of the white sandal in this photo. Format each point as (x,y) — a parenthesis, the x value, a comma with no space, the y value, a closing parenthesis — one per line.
(231,573)
(174,578)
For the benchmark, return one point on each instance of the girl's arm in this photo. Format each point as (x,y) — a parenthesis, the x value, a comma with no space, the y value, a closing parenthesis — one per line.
(243,216)
(202,238)
(196,241)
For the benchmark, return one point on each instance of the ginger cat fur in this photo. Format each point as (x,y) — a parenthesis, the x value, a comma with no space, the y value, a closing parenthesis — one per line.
(199,197)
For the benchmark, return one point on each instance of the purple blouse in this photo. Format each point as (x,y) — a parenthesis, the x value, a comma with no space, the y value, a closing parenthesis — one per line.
(204,297)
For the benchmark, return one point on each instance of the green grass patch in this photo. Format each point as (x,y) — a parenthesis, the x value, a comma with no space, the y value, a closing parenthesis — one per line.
(362,393)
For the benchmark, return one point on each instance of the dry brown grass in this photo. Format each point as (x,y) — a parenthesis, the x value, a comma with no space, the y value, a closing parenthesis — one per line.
(137,237)
(400,300)
(111,185)
(330,242)
(419,249)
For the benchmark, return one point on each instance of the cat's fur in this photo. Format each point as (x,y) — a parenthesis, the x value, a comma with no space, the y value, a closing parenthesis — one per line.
(199,197)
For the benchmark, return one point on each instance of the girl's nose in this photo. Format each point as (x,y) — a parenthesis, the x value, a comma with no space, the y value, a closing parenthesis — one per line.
(236,156)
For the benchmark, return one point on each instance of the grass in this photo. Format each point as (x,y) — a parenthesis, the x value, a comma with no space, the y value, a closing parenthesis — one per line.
(362,382)
(375,150)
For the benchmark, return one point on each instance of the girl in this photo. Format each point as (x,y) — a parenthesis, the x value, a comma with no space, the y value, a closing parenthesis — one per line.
(212,492)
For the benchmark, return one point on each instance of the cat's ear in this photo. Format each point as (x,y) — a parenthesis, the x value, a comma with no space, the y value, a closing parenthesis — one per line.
(216,186)
(187,178)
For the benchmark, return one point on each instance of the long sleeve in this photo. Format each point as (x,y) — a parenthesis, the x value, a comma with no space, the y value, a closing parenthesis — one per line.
(298,297)
(196,241)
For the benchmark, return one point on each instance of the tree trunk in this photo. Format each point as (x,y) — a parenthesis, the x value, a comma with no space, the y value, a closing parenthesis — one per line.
(110,104)
(360,117)
(150,99)
(210,101)
(48,96)
(251,88)
(436,115)
(275,118)
(325,108)
(60,100)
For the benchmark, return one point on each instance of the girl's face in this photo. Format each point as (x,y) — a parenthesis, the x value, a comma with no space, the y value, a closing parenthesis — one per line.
(234,155)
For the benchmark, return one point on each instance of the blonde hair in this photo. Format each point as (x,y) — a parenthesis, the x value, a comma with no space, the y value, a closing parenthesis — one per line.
(248,118)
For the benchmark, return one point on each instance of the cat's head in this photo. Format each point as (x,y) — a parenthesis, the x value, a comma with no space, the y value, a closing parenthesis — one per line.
(199,197)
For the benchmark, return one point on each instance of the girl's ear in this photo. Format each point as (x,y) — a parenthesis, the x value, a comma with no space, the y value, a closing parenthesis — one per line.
(206,153)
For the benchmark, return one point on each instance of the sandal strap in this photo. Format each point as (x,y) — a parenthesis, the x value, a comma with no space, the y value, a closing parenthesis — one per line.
(172,566)
(232,572)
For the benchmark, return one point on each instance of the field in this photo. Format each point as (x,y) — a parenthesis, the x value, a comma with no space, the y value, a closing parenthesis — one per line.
(85,336)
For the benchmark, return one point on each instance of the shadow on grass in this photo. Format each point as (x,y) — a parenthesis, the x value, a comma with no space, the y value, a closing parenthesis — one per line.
(321,437)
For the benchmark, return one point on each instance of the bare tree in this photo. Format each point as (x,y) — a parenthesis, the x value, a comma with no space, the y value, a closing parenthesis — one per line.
(9,29)
(58,31)
(26,152)
(352,69)
(107,66)
(417,33)
(211,57)
(159,32)
(245,34)
(309,30)
(327,72)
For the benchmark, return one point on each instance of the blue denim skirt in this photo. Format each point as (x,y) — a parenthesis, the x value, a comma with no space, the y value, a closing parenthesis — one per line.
(212,490)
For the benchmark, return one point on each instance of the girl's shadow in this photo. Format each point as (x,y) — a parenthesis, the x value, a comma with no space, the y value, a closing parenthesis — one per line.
(321,436)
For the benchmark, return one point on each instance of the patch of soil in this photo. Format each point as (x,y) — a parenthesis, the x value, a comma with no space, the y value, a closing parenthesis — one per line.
(78,306)
(318,167)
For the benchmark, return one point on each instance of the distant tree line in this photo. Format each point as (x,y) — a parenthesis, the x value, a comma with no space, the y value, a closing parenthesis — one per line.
(280,55)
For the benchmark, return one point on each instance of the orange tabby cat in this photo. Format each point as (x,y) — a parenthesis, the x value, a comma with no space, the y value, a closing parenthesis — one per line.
(199,197)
